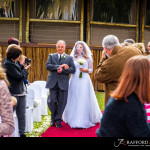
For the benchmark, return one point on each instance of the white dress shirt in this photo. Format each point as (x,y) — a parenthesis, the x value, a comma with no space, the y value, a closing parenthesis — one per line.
(59,55)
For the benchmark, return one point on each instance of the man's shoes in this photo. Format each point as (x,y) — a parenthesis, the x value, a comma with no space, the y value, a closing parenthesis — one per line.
(58,124)
(52,123)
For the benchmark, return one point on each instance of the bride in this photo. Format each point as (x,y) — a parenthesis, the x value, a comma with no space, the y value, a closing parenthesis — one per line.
(82,110)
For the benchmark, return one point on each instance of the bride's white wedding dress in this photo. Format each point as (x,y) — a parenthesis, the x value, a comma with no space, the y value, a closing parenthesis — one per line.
(82,110)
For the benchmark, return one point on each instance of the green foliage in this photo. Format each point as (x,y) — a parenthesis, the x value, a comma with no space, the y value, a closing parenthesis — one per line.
(101,99)
(40,127)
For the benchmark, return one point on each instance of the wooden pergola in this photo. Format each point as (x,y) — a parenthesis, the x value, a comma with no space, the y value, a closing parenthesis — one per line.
(90,31)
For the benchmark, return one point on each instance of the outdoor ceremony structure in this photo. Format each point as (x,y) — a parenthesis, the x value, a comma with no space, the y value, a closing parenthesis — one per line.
(39,24)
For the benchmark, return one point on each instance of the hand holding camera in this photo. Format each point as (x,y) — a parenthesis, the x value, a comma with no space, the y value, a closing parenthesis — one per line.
(25,61)
(27,67)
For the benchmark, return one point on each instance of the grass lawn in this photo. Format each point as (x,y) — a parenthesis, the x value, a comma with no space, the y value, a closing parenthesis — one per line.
(40,127)
(101,99)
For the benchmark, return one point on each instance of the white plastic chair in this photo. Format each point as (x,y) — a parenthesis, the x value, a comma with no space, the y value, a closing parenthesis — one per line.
(29,109)
(37,110)
(16,131)
(44,96)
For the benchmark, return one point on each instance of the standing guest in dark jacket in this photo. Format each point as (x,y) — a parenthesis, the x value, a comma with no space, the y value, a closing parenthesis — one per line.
(16,75)
(125,115)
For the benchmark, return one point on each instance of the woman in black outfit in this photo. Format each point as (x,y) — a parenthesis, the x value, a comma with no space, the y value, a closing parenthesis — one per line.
(16,75)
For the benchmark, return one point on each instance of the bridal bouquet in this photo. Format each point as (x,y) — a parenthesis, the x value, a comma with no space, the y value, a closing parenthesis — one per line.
(81,62)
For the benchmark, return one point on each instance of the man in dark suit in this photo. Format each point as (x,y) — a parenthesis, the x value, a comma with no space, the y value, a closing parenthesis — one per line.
(60,66)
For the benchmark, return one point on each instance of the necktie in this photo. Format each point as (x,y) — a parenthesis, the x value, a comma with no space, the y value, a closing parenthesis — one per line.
(60,59)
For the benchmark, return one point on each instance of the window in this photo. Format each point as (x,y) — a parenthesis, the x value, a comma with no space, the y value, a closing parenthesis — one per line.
(7,8)
(57,9)
(147,13)
(114,11)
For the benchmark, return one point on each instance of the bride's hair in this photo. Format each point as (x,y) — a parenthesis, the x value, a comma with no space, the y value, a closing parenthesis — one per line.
(84,52)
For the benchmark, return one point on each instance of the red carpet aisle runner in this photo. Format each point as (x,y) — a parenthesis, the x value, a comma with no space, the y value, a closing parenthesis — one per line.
(67,131)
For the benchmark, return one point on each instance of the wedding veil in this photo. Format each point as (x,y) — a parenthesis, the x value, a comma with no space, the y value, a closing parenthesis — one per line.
(89,53)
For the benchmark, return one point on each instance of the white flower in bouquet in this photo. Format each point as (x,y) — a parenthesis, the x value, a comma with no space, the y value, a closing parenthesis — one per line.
(81,62)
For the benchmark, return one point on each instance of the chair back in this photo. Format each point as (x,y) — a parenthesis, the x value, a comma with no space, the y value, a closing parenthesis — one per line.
(37,90)
(30,97)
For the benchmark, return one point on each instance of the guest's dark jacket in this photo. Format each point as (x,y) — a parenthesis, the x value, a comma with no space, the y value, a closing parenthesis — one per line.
(121,119)
(15,75)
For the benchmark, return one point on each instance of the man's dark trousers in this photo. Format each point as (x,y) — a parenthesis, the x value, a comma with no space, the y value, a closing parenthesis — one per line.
(56,102)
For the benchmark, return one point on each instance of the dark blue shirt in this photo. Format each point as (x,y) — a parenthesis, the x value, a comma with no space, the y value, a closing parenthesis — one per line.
(124,119)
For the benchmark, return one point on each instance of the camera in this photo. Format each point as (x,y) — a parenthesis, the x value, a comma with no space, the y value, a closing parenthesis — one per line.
(27,61)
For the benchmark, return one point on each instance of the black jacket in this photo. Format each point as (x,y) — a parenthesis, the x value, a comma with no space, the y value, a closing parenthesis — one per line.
(15,75)
(121,119)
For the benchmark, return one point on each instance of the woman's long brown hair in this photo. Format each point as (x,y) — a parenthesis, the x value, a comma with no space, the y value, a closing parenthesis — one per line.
(135,78)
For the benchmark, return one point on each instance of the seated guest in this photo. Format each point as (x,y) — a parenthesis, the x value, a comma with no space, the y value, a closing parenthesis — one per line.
(125,115)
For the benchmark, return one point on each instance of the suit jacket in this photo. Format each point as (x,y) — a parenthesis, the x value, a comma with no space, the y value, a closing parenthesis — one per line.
(63,79)
(109,70)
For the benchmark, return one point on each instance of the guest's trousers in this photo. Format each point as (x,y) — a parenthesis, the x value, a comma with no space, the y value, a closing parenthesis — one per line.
(56,102)
(20,112)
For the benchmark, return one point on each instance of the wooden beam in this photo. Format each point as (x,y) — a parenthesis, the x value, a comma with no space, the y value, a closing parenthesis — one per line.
(88,23)
(82,20)
(137,21)
(143,21)
(9,19)
(28,21)
(20,23)
(47,45)
(147,26)
(54,21)
(113,24)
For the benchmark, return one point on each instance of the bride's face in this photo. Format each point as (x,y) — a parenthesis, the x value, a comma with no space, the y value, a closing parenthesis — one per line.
(79,49)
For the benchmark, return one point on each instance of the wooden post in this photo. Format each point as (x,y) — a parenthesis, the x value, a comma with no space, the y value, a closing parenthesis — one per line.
(27,21)
(88,23)
(143,21)
(82,20)
(20,23)
(137,21)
